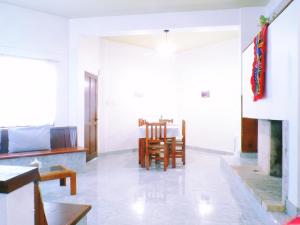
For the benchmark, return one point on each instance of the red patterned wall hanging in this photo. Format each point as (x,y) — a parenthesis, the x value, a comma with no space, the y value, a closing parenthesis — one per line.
(259,64)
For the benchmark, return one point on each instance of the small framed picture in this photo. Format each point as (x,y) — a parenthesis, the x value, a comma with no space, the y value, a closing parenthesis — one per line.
(205,94)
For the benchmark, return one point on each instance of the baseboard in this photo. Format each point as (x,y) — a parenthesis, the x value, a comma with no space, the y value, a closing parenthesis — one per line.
(248,155)
(213,151)
(117,151)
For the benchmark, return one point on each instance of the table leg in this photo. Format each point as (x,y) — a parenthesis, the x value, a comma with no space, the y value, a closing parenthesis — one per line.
(62,182)
(173,152)
(73,183)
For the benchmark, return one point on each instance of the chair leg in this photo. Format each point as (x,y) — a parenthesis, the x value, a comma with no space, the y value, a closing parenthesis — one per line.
(147,158)
(143,152)
(183,154)
(157,159)
(73,184)
(173,149)
(147,163)
(166,158)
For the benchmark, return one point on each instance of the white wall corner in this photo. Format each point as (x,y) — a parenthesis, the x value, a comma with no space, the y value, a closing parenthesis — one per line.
(249,24)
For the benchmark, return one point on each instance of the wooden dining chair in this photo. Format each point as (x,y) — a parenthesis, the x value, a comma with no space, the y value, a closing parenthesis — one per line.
(156,146)
(177,148)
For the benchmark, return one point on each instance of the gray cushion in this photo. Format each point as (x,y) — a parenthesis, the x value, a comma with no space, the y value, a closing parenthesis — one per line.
(29,138)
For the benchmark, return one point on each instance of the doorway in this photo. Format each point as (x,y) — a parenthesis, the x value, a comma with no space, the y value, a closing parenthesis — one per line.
(249,135)
(90,114)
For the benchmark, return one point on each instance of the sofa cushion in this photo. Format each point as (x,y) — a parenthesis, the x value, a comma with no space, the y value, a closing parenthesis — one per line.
(29,138)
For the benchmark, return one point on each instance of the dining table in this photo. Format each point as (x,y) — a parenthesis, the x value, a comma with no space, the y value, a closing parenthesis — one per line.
(173,132)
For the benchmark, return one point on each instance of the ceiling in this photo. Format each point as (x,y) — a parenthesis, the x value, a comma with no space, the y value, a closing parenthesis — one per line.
(182,40)
(93,8)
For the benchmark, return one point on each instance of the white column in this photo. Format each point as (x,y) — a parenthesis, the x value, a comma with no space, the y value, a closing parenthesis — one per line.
(17,207)
(264,145)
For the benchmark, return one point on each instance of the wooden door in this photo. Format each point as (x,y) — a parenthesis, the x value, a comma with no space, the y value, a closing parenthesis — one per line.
(90,115)
(249,135)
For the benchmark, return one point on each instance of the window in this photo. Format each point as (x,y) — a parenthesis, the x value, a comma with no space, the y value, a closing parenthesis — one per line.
(27,91)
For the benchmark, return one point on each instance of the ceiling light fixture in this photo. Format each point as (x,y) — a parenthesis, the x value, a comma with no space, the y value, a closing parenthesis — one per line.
(166,48)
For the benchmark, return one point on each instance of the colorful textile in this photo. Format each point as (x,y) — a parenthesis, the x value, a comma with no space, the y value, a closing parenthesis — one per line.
(295,221)
(259,64)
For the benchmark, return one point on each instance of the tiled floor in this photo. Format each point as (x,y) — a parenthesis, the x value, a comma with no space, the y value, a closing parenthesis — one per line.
(122,193)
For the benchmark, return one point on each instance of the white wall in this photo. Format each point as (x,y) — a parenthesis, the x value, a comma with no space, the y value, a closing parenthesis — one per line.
(214,68)
(275,104)
(89,61)
(281,71)
(282,87)
(126,75)
(249,25)
(33,34)
(134,83)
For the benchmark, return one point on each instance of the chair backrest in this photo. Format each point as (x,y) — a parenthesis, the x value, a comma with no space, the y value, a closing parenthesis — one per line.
(183,130)
(166,120)
(156,132)
(141,122)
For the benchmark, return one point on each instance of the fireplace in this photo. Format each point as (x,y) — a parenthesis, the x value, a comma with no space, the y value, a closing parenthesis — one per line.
(272,150)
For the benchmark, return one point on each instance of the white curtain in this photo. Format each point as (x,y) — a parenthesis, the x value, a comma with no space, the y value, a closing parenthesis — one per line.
(27,91)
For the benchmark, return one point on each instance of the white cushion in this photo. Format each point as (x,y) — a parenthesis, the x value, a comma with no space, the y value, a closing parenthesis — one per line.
(29,138)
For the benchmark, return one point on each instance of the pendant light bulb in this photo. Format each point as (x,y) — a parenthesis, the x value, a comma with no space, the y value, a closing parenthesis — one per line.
(166,49)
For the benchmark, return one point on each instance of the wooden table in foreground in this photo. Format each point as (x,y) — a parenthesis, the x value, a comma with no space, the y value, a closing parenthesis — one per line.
(60,172)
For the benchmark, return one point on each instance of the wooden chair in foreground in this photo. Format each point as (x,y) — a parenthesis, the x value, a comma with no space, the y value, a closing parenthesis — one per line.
(156,146)
(57,213)
(177,148)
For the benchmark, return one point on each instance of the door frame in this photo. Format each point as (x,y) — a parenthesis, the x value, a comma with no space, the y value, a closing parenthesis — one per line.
(90,75)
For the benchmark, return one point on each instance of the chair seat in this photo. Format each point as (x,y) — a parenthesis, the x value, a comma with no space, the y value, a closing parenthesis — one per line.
(154,141)
(178,142)
(156,146)
(154,151)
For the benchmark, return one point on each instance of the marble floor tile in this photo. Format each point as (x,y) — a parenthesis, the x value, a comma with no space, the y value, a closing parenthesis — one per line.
(122,193)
